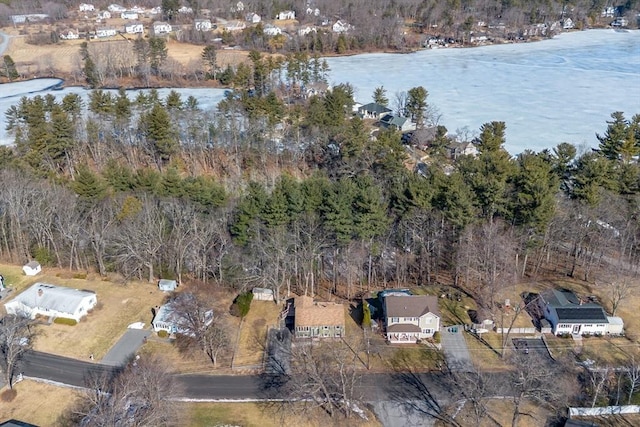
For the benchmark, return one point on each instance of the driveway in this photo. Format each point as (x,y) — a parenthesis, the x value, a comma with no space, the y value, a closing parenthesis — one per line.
(455,349)
(126,347)
(4,42)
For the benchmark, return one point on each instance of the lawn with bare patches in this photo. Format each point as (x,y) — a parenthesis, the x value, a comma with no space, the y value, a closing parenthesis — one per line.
(38,403)
(253,332)
(262,415)
(485,351)
(118,306)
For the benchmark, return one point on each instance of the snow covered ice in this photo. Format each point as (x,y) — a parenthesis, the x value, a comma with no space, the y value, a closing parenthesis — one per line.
(558,90)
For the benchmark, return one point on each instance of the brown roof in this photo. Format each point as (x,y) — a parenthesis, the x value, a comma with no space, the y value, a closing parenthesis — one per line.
(309,313)
(404,327)
(411,305)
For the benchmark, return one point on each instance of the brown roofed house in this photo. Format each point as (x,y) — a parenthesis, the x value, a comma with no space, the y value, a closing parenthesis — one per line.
(318,319)
(410,318)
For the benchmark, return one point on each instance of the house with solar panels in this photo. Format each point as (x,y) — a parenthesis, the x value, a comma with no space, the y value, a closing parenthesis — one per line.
(570,314)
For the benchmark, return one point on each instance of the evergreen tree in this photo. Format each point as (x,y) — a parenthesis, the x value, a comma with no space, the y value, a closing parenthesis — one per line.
(173,101)
(247,212)
(9,68)
(88,186)
(380,96)
(158,53)
(337,211)
(369,210)
(619,141)
(122,106)
(171,183)
(417,104)
(159,133)
(209,57)
(62,131)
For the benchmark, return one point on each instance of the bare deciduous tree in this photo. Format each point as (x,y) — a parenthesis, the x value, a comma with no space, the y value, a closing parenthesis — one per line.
(16,337)
(139,395)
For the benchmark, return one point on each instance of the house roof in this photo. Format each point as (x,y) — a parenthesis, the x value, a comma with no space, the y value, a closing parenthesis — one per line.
(393,120)
(166,283)
(571,309)
(411,306)
(310,313)
(58,298)
(32,264)
(403,327)
(372,107)
(165,314)
(262,291)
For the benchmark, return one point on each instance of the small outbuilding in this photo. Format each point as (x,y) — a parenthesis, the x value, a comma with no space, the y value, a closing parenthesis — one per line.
(615,325)
(166,285)
(32,268)
(262,294)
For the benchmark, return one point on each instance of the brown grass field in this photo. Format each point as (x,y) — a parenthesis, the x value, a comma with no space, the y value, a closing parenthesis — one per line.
(63,58)
(253,333)
(38,403)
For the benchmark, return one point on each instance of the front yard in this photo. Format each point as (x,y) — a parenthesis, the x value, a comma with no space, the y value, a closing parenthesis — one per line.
(38,403)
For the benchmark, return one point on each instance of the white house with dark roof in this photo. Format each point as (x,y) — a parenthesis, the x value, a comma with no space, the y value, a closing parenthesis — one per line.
(134,28)
(86,7)
(286,14)
(409,318)
(129,14)
(160,27)
(52,301)
(569,314)
(202,24)
(32,268)
(391,121)
(103,32)
(373,111)
(168,319)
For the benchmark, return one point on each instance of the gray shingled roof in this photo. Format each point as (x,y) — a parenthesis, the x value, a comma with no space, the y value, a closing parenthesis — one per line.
(372,107)
(571,309)
(58,298)
(411,306)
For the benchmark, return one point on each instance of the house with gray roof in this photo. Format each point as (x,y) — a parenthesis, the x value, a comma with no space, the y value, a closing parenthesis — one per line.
(570,314)
(409,318)
(391,121)
(52,301)
(373,111)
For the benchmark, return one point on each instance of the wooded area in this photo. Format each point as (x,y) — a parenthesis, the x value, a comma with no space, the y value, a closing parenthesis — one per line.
(290,193)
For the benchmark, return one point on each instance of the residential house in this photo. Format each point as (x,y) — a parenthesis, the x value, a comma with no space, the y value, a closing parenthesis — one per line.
(166,285)
(86,7)
(235,26)
(52,301)
(262,294)
(409,318)
(104,14)
(185,10)
(373,111)
(286,14)
(202,25)
(129,14)
(569,314)
(317,319)
(31,17)
(306,30)
(134,28)
(271,30)
(116,8)
(253,18)
(160,27)
(465,148)
(32,268)
(103,32)
(608,12)
(391,121)
(568,24)
(167,319)
(314,12)
(69,35)
(340,27)
(620,22)
(315,89)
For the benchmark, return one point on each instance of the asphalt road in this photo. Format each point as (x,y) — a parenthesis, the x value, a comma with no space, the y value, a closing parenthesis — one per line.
(60,369)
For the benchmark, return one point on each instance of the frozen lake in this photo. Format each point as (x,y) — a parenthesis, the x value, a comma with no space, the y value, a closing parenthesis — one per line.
(553,91)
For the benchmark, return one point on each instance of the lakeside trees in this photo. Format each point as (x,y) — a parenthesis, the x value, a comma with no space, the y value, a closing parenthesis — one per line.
(296,196)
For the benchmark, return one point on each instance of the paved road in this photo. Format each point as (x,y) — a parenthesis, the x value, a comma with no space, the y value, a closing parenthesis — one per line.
(4,42)
(126,347)
(60,369)
(455,349)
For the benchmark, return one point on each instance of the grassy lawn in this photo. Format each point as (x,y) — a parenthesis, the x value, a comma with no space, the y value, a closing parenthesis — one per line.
(38,403)
(412,357)
(500,412)
(118,306)
(253,332)
(486,354)
(256,414)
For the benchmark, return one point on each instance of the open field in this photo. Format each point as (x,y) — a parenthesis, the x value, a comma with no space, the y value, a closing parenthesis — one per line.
(253,333)
(64,57)
(38,403)
(256,414)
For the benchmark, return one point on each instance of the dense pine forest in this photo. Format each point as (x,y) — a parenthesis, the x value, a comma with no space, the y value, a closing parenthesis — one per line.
(295,193)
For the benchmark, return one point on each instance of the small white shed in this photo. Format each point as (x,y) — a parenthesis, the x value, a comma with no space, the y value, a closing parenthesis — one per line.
(32,268)
(167,285)
(262,294)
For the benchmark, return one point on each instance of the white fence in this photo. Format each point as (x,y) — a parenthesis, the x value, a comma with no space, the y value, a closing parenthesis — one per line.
(604,410)
(531,330)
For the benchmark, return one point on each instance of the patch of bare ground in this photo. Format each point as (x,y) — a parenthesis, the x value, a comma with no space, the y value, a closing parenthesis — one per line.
(500,413)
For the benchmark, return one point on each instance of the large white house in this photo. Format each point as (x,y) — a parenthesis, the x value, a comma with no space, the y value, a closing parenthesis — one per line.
(129,14)
(409,318)
(286,14)
(134,28)
(52,301)
(202,24)
(103,32)
(86,7)
(161,28)
(569,314)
